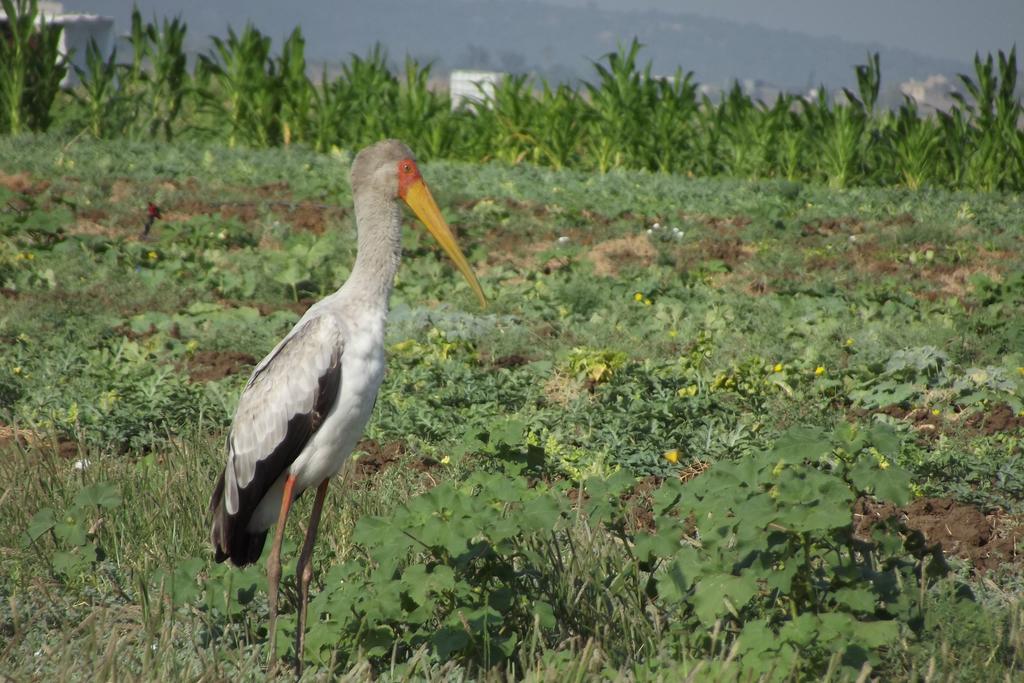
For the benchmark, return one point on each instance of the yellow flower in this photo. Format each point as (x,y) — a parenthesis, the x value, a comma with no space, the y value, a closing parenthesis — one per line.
(936,411)
(673,334)
(639,296)
(849,342)
(446,459)
(820,370)
(647,302)
(1020,370)
(883,464)
(16,370)
(778,367)
(152,256)
(672,456)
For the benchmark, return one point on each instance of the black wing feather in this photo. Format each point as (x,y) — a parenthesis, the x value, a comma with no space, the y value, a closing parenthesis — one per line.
(230,538)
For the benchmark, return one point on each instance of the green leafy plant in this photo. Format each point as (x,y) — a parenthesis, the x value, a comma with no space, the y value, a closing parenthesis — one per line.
(75,531)
(31,68)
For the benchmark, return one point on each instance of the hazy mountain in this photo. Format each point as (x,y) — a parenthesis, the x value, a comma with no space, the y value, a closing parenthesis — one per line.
(557,41)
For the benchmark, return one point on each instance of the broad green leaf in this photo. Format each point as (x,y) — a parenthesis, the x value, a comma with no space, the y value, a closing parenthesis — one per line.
(449,640)
(885,439)
(70,532)
(75,561)
(802,444)
(180,582)
(894,485)
(42,521)
(711,592)
(662,544)
(540,514)
(673,585)
(102,495)
(857,599)
(545,614)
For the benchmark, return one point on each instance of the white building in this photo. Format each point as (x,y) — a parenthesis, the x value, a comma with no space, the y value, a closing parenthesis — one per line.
(74,39)
(472,87)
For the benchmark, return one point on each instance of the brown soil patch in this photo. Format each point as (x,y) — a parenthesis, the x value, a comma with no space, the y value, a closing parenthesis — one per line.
(92,214)
(514,360)
(9,436)
(826,227)
(1000,418)
(245,213)
(309,217)
(987,541)
(925,424)
(727,224)
(902,220)
(996,419)
(274,189)
(298,307)
(610,256)
(84,226)
(22,183)
(377,457)
(210,366)
(301,216)
(121,191)
(730,251)
(25,438)
(945,279)
(638,504)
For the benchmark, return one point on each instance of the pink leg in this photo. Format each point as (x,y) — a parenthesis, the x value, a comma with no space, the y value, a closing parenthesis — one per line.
(304,569)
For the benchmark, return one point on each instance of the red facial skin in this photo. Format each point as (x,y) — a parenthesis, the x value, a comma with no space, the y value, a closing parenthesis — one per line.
(407,175)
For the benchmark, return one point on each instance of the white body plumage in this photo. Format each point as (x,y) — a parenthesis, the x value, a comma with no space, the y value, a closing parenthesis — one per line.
(362,370)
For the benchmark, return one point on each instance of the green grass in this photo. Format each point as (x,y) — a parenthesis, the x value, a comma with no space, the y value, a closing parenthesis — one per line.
(779,309)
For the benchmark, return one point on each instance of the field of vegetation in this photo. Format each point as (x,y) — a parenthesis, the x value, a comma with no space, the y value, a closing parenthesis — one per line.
(716,424)
(696,434)
(243,92)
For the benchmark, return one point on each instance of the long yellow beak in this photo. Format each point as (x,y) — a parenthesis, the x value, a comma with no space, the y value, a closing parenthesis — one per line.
(417,196)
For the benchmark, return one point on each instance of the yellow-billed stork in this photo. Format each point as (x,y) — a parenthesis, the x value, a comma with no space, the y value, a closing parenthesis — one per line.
(306,404)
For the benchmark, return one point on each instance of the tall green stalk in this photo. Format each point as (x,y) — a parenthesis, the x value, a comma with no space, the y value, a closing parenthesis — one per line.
(31,68)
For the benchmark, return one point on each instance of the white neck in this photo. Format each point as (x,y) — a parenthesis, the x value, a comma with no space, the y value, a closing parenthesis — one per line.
(379,226)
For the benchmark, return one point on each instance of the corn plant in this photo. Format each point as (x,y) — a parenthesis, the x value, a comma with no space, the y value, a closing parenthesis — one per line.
(297,94)
(100,92)
(31,68)
(747,135)
(509,118)
(245,91)
(331,106)
(373,91)
(556,134)
(994,114)
(917,146)
(839,130)
(169,79)
(423,115)
(14,58)
(623,101)
(669,143)
(626,117)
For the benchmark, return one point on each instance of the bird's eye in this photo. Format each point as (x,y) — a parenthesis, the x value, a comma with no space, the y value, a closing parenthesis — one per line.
(406,168)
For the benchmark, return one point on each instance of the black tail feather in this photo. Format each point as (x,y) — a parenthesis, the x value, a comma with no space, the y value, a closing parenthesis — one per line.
(229,537)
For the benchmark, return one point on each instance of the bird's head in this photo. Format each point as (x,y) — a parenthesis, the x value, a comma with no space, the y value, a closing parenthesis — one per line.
(388,169)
